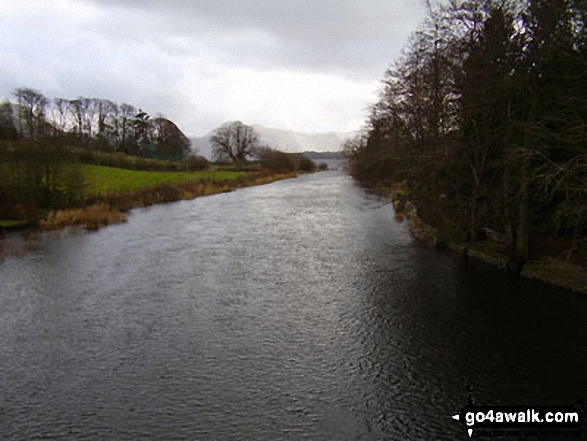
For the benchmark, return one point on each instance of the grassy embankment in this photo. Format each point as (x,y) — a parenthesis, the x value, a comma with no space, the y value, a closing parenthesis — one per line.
(110,192)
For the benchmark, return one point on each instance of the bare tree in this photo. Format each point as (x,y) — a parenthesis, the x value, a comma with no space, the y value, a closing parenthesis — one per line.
(7,129)
(31,109)
(234,140)
(60,106)
(104,109)
(77,110)
(127,113)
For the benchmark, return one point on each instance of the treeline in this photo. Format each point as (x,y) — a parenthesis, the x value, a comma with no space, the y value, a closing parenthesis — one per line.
(41,140)
(90,123)
(484,120)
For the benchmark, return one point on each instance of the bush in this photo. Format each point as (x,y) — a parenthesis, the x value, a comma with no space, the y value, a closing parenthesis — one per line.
(276,161)
(193,163)
(306,164)
(36,176)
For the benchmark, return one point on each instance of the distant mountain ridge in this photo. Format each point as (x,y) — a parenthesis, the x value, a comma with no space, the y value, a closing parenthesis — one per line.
(285,141)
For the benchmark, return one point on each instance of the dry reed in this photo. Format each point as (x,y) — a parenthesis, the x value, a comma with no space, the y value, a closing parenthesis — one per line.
(92,217)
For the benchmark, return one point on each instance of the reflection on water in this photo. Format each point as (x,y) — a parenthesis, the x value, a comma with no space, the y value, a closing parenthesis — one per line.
(296,310)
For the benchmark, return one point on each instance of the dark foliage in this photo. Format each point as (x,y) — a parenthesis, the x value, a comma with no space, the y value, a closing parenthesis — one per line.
(277,161)
(484,118)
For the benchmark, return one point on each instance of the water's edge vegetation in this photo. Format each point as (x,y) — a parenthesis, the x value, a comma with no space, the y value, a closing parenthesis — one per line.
(481,126)
(53,186)
(109,208)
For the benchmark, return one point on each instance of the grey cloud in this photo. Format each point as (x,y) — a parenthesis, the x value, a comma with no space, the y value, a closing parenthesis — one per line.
(304,65)
(356,37)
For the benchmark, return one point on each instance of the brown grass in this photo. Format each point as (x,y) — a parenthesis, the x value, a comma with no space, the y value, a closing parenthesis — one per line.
(92,217)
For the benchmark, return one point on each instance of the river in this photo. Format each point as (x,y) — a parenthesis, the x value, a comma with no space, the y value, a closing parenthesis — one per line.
(295,310)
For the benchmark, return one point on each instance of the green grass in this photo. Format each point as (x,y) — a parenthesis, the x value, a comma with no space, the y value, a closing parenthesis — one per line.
(108,180)
(11,223)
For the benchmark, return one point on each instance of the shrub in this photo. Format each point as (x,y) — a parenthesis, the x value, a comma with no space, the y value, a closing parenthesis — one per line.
(305,163)
(276,161)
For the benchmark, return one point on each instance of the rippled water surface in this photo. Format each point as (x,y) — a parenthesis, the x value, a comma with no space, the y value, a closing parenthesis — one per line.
(296,310)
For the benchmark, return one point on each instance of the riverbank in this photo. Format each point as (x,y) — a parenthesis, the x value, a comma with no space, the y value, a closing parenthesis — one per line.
(553,271)
(107,209)
(109,197)
(110,208)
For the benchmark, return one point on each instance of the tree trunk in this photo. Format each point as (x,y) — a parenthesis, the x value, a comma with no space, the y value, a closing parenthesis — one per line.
(522,239)
(520,232)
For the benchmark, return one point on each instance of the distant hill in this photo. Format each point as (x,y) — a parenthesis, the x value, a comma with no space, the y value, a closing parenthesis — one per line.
(285,141)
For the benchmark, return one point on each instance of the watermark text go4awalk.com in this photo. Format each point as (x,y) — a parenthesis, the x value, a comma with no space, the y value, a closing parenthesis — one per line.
(533,420)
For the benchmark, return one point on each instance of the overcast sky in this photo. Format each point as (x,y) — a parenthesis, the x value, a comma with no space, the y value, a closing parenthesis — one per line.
(304,65)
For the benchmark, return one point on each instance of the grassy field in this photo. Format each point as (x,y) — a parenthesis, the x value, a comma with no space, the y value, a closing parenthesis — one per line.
(108,180)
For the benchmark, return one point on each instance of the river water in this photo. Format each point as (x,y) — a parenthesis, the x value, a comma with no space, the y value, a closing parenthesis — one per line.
(295,310)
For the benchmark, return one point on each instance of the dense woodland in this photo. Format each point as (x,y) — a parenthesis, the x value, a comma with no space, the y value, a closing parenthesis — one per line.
(484,122)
